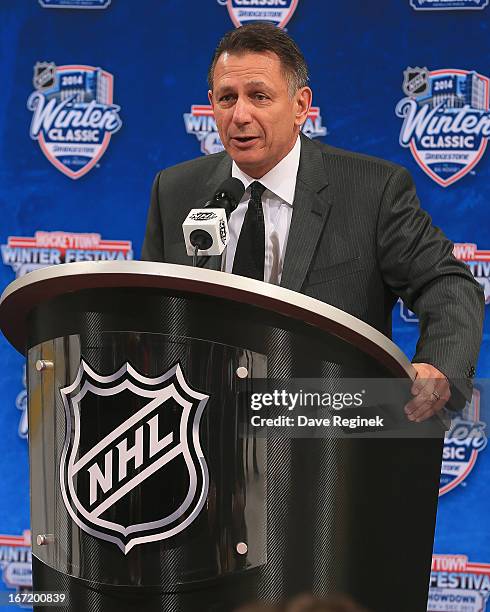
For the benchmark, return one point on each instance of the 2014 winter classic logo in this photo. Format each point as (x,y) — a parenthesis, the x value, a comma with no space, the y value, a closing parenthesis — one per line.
(446,120)
(277,12)
(73,115)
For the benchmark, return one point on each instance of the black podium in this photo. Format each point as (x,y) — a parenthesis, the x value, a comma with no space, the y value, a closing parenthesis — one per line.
(148,490)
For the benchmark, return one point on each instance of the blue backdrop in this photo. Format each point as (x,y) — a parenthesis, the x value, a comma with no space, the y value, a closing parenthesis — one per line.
(77,187)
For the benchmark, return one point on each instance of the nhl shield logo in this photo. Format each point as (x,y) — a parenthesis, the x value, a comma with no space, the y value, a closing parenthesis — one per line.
(415,81)
(446,121)
(73,115)
(277,12)
(464,441)
(44,75)
(145,446)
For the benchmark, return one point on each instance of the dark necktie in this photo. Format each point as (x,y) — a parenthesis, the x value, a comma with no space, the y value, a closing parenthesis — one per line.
(250,251)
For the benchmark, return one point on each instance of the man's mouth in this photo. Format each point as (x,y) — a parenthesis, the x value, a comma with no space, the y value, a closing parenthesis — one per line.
(244,142)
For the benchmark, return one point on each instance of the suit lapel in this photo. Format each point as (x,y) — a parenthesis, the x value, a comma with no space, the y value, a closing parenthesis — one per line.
(310,211)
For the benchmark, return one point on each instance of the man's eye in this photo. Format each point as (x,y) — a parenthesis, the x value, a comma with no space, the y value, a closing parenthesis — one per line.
(261,97)
(226,98)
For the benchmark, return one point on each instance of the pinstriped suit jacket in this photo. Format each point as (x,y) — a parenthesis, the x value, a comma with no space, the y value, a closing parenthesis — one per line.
(358,240)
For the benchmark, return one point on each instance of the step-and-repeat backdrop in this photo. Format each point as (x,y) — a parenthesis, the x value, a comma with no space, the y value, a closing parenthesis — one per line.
(408,81)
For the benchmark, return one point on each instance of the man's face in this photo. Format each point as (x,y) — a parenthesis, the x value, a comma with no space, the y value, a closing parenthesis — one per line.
(258,120)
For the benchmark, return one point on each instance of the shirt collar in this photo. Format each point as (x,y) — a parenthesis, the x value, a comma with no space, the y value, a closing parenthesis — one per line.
(281,180)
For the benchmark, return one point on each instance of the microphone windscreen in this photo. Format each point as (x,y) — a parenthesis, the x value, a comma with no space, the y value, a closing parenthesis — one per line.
(233,188)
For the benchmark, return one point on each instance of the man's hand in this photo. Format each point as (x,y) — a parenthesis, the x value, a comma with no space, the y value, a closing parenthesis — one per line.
(430,390)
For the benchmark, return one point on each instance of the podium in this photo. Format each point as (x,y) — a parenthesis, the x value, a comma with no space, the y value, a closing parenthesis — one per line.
(149,488)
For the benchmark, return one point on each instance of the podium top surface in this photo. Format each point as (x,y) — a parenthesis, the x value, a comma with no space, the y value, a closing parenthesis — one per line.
(25,293)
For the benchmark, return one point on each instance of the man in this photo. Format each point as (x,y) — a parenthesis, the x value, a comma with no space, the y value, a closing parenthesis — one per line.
(341,227)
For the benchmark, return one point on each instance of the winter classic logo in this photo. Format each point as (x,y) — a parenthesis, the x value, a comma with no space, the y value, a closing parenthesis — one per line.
(150,443)
(200,122)
(446,121)
(463,442)
(277,12)
(73,115)
(448,5)
(15,561)
(458,585)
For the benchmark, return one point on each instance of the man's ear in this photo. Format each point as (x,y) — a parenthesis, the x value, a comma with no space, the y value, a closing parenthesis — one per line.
(210,98)
(304,98)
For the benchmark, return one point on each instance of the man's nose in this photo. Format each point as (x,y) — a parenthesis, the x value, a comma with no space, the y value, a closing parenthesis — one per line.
(241,112)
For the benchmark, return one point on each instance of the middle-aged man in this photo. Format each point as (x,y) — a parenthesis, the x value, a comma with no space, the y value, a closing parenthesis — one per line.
(338,226)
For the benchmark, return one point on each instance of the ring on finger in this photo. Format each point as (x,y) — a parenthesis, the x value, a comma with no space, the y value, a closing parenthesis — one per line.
(436,395)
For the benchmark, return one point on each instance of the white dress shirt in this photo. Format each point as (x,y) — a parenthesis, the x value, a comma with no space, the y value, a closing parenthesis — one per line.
(277,204)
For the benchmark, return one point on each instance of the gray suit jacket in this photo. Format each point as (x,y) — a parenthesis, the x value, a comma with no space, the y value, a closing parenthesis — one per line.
(358,240)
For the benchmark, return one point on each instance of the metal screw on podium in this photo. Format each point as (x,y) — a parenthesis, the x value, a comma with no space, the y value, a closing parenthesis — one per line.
(44,364)
(242,372)
(43,539)
(241,548)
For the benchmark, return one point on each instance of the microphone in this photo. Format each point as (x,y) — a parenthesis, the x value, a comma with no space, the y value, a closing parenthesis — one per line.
(206,229)
(227,196)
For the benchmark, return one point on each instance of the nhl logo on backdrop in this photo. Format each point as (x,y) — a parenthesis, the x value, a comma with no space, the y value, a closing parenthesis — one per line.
(152,447)
(277,12)
(415,81)
(44,75)
(73,115)
(446,121)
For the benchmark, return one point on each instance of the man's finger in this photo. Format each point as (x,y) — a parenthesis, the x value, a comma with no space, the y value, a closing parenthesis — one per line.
(418,401)
(417,386)
(425,413)
(432,398)
(422,391)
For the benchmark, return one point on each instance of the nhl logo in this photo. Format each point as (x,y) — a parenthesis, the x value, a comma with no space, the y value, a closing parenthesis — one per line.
(146,446)
(415,81)
(222,231)
(44,75)
(277,12)
(203,216)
